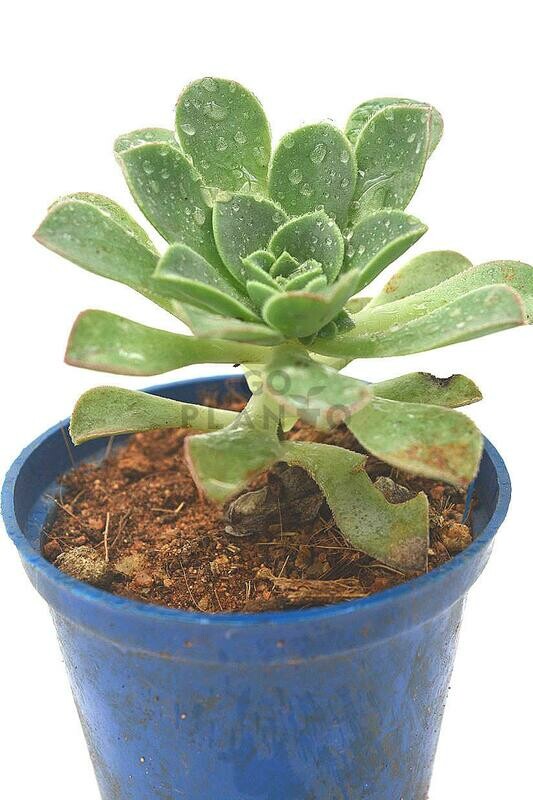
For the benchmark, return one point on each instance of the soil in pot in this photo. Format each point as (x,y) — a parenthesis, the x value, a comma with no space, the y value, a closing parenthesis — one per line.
(135,525)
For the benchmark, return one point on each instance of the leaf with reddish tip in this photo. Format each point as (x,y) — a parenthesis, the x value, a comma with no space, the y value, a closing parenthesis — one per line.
(109,343)
(422,387)
(223,128)
(426,440)
(108,410)
(395,534)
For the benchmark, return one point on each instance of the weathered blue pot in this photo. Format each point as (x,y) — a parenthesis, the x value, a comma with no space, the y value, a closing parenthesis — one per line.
(337,703)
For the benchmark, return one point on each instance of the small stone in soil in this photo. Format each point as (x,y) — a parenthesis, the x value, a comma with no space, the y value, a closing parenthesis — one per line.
(86,564)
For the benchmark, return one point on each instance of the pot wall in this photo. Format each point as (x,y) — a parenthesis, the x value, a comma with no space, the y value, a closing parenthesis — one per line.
(336,703)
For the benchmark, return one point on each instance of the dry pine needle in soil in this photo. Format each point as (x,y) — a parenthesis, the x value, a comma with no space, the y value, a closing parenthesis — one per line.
(135,525)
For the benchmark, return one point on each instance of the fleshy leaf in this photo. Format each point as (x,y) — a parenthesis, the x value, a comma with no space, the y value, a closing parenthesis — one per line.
(363,113)
(301,314)
(305,273)
(314,167)
(318,394)
(514,274)
(144,136)
(421,273)
(260,292)
(315,236)
(284,266)
(243,225)
(478,313)
(223,128)
(109,343)
(427,440)
(223,463)
(391,153)
(206,325)
(185,275)
(108,410)
(378,240)
(167,189)
(98,235)
(422,387)
(396,534)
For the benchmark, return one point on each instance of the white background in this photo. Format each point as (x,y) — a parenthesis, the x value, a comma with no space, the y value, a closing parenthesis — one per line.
(76,75)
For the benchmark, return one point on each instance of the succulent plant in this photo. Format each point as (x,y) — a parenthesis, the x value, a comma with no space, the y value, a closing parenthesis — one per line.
(267,257)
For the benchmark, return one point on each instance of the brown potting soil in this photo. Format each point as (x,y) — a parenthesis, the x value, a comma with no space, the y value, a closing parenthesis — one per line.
(136,526)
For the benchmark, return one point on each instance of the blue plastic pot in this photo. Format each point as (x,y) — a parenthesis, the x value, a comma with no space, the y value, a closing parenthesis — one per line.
(337,703)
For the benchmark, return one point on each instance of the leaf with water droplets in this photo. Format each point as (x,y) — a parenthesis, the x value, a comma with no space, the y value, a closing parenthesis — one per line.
(363,113)
(244,224)
(422,387)
(168,190)
(108,410)
(315,392)
(395,534)
(98,235)
(224,462)
(428,440)
(377,240)
(482,311)
(184,275)
(109,343)
(315,236)
(421,273)
(304,313)
(223,128)
(144,136)
(391,152)
(314,167)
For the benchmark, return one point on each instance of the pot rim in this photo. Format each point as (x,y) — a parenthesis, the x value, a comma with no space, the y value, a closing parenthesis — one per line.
(101,598)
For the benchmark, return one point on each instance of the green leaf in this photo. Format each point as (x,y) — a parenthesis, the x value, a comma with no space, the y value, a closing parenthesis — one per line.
(422,387)
(514,274)
(243,225)
(108,410)
(223,128)
(260,292)
(316,392)
(356,304)
(421,273)
(314,236)
(314,167)
(426,440)
(185,275)
(378,240)
(363,113)
(223,463)
(168,190)
(397,535)
(478,313)
(206,325)
(284,266)
(98,235)
(302,276)
(109,343)
(144,136)
(301,314)
(391,152)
